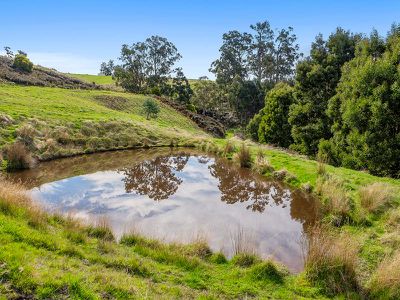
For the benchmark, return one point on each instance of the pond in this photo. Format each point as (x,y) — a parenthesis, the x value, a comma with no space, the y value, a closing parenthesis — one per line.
(178,195)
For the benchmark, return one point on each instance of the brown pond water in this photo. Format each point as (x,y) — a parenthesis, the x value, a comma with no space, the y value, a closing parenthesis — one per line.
(178,195)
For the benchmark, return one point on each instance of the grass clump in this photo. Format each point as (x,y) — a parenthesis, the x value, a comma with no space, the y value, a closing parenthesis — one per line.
(335,199)
(18,157)
(245,260)
(261,164)
(385,283)
(15,201)
(331,261)
(243,157)
(375,196)
(101,229)
(218,258)
(267,270)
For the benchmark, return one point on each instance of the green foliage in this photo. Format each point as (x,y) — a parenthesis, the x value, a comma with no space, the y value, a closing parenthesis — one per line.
(151,108)
(266,55)
(22,63)
(146,64)
(274,127)
(181,87)
(245,259)
(316,81)
(267,270)
(366,111)
(254,124)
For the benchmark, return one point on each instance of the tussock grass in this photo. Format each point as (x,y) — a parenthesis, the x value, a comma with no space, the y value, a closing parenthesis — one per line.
(331,261)
(335,199)
(18,157)
(101,229)
(385,283)
(375,196)
(229,148)
(243,156)
(245,260)
(261,164)
(15,201)
(267,270)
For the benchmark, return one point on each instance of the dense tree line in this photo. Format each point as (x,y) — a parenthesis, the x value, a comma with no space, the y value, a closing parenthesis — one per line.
(345,103)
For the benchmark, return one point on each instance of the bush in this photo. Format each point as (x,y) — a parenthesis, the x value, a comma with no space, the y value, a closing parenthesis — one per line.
(18,157)
(22,63)
(151,108)
(274,126)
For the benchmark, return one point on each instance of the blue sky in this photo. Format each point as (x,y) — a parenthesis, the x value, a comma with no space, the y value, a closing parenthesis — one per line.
(76,36)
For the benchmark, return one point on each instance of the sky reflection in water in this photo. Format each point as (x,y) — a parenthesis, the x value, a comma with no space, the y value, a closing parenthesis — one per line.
(177,197)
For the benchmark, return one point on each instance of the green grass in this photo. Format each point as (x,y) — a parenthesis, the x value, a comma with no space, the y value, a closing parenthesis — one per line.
(51,262)
(63,115)
(97,79)
(54,260)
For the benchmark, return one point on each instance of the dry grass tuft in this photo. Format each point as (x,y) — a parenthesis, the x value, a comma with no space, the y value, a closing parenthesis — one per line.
(243,157)
(14,200)
(242,242)
(18,157)
(101,229)
(385,283)
(229,148)
(261,165)
(374,196)
(336,199)
(331,261)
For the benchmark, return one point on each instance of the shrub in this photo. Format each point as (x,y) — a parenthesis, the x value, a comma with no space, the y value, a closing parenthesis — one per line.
(331,261)
(18,157)
(385,283)
(22,63)
(374,196)
(244,156)
(274,127)
(151,108)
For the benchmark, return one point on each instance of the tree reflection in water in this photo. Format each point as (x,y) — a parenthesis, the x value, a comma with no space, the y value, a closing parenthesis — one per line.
(155,178)
(241,185)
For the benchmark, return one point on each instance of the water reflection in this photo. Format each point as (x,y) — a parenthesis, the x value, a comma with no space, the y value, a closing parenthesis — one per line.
(201,194)
(155,178)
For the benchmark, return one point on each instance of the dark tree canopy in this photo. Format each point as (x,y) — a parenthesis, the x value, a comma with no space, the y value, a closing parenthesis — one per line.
(316,79)
(274,127)
(366,109)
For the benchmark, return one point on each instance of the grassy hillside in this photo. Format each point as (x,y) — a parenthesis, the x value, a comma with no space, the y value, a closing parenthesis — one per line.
(78,121)
(97,79)
(50,256)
